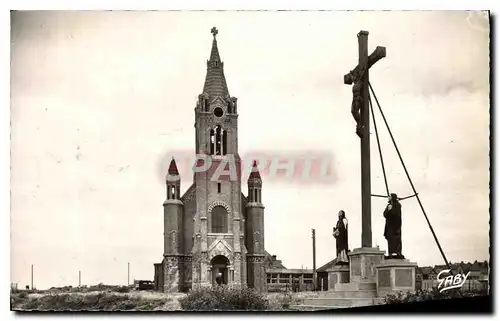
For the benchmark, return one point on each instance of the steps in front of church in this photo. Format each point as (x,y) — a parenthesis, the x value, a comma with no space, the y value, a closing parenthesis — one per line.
(344,295)
(356,294)
(355,286)
(335,303)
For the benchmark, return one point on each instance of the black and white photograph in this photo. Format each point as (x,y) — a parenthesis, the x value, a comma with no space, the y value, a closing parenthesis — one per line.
(239,160)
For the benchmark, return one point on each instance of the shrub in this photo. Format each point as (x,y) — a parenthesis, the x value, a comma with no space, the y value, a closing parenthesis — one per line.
(122,289)
(433,294)
(102,301)
(223,298)
(282,301)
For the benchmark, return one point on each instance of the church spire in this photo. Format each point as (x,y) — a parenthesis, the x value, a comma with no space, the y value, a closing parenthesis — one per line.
(254,174)
(214,54)
(172,168)
(215,82)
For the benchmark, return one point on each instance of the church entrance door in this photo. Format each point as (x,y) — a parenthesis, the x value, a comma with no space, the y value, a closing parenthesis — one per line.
(220,271)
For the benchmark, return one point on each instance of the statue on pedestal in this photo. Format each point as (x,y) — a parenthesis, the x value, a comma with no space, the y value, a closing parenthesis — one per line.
(340,234)
(392,231)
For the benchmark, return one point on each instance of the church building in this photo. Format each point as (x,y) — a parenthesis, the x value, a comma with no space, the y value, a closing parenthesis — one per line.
(213,230)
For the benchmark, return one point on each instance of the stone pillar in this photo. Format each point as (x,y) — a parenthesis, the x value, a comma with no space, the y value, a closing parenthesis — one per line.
(362,262)
(395,275)
(235,270)
(230,274)
(243,268)
(204,233)
(206,278)
(210,273)
(337,274)
(195,261)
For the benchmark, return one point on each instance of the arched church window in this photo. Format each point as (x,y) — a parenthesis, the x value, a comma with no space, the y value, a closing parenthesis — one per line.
(235,106)
(218,141)
(212,141)
(224,142)
(219,219)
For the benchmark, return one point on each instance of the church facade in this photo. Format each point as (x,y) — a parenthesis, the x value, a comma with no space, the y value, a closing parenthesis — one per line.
(213,230)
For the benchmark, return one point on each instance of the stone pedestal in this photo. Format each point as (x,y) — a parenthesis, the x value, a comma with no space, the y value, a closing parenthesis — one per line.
(337,274)
(395,275)
(362,262)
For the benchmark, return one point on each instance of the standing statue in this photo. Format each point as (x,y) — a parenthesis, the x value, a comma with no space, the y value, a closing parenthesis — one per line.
(340,234)
(218,278)
(357,100)
(392,231)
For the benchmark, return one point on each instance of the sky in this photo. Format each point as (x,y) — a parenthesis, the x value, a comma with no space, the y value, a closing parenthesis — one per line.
(99,99)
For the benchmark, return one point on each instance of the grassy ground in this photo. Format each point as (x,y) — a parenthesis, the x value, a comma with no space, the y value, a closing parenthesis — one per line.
(95,301)
(107,298)
(282,301)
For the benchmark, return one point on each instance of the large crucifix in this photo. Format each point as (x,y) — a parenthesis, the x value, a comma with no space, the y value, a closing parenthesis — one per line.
(360,110)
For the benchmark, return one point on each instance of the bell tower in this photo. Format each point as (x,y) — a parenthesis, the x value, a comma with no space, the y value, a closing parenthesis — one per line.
(256,256)
(218,233)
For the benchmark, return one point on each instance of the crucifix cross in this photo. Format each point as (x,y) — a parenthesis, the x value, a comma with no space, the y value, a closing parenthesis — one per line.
(360,110)
(214,31)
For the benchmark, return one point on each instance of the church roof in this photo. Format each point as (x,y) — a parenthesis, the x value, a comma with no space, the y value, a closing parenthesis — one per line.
(273,263)
(215,81)
(255,171)
(327,266)
(172,168)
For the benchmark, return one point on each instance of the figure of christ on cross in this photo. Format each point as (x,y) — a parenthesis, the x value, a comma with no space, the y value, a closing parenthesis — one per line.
(357,99)
(360,110)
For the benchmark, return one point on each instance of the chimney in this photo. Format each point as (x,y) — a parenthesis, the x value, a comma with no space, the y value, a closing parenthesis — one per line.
(274,257)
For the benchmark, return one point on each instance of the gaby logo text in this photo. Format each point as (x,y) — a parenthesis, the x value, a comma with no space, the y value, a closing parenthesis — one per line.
(450,282)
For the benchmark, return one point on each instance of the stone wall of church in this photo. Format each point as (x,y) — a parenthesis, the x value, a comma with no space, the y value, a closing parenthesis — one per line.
(243,269)
(256,272)
(225,197)
(189,200)
(254,228)
(187,273)
(195,269)
(158,280)
(173,227)
(256,267)
(172,274)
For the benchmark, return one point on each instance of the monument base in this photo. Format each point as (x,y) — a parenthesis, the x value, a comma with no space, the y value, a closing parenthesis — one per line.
(395,275)
(362,262)
(337,274)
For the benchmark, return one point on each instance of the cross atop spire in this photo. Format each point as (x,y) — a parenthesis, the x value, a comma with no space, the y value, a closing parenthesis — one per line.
(215,82)
(214,31)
